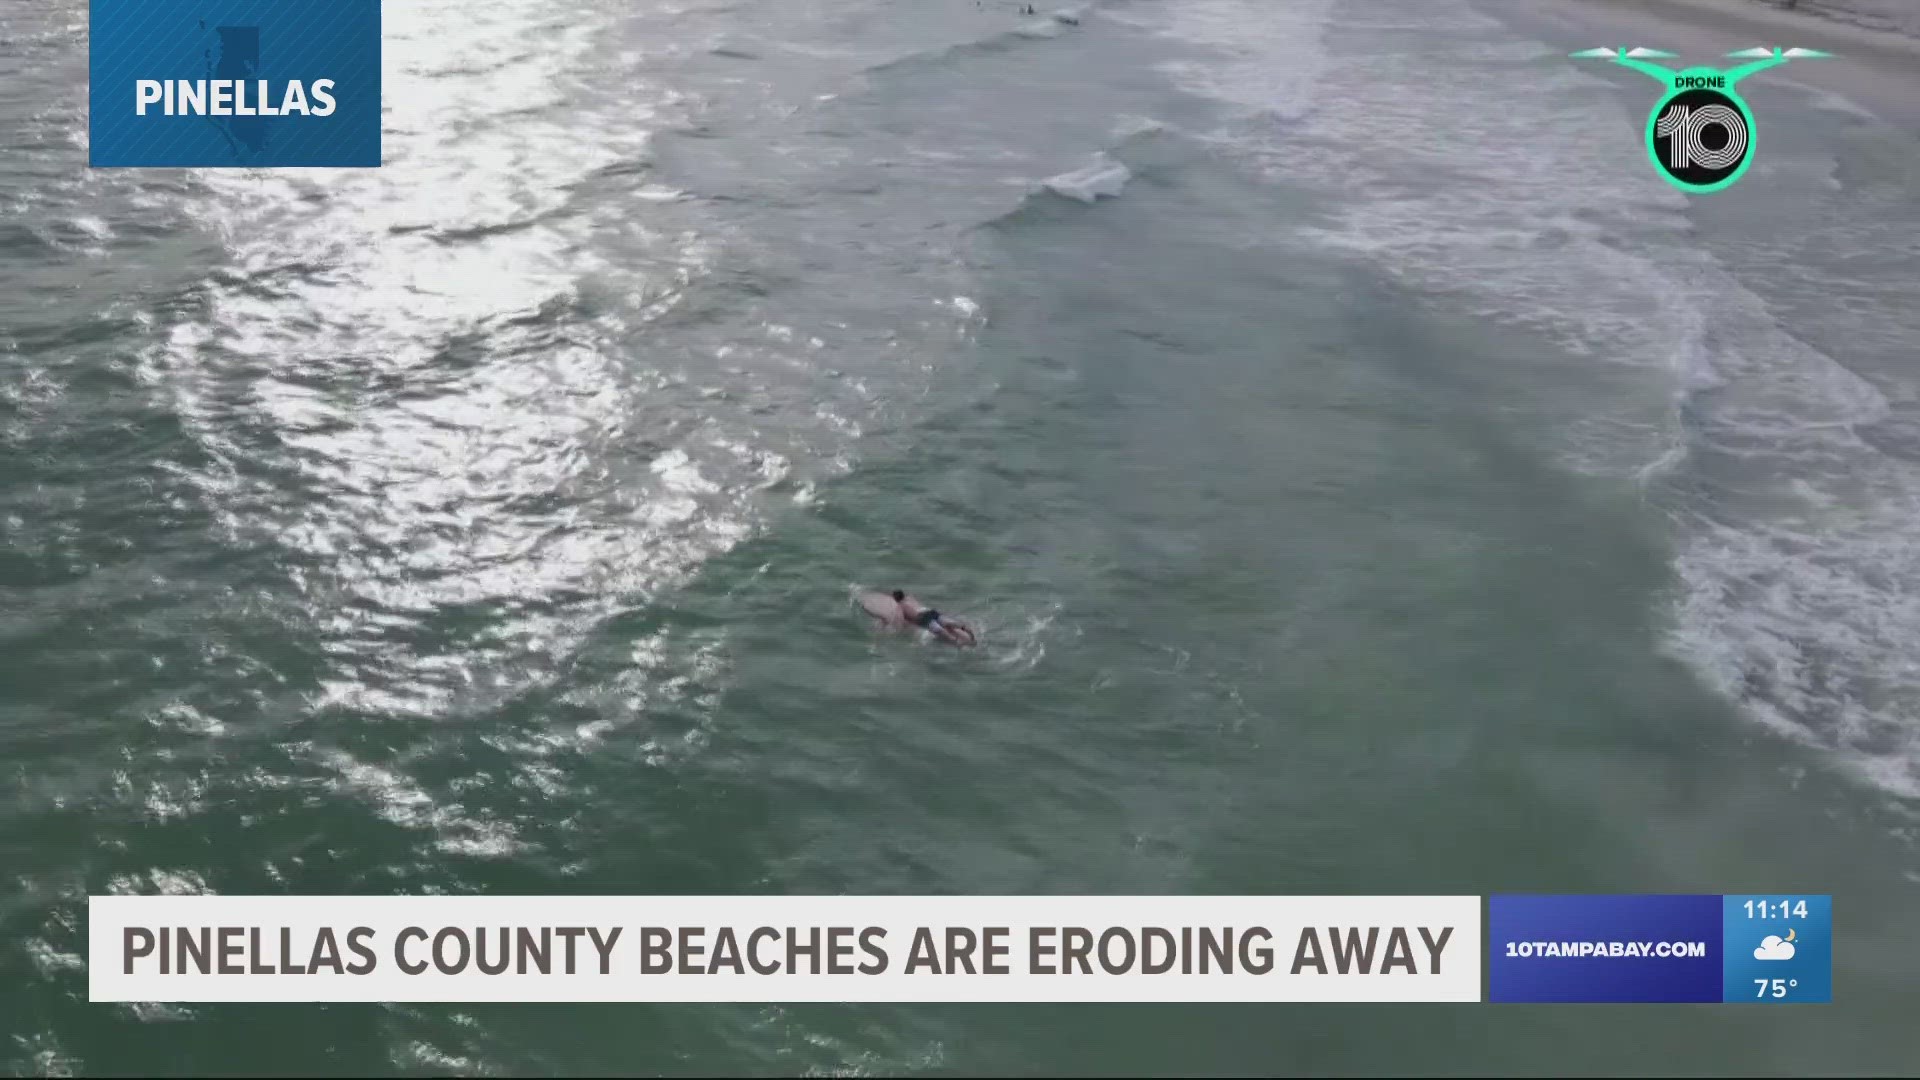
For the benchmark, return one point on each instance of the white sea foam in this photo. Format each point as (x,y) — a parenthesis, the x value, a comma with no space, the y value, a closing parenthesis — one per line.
(1105,178)
(1269,55)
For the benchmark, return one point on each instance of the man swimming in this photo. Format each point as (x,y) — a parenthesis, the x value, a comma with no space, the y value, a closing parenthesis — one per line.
(951,630)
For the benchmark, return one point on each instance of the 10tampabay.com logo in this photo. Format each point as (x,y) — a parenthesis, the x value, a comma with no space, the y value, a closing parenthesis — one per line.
(234,83)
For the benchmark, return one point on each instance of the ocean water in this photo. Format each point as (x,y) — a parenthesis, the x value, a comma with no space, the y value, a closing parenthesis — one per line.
(1366,476)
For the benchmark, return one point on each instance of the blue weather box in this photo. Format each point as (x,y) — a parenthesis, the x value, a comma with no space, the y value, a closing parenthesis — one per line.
(1779,948)
(1660,948)
(234,83)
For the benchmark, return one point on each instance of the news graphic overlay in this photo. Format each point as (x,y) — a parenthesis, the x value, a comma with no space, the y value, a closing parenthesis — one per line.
(1660,948)
(1779,949)
(1700,134)
(234,83)
(784,948)
(1604,948)
(1700,137)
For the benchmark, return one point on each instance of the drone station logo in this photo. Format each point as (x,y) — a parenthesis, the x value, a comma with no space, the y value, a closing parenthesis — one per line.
(1700,134)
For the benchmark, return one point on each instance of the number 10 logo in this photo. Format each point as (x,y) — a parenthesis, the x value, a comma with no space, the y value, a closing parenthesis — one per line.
(1700,138)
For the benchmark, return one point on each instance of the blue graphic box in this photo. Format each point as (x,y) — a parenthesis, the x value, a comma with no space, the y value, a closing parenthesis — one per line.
(1779,948)
(234,83)
(1767,949)
(1540,948)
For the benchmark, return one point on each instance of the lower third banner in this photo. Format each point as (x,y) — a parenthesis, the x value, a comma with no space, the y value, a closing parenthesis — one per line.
(1699,948)
(784,948)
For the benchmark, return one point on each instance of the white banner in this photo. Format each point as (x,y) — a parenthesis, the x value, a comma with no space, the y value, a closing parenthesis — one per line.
(784,948)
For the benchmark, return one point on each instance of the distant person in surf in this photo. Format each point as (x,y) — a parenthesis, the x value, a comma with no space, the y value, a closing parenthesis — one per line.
(951,630)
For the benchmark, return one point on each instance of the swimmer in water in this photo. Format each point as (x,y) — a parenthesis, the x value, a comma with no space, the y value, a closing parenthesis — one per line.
(951,630)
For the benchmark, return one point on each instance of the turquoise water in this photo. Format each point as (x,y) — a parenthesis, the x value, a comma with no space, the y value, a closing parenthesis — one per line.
(1338,521)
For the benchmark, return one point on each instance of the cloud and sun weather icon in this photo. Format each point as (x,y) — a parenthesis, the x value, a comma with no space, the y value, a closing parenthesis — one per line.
(1775,947)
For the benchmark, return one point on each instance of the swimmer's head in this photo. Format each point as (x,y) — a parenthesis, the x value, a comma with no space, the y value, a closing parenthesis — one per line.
(899,596)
